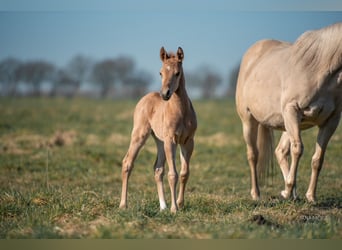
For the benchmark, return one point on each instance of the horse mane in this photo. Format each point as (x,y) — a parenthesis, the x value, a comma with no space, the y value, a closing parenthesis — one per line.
(171,55)
(319,51)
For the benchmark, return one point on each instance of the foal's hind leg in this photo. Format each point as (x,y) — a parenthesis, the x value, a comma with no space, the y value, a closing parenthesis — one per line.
(159,172)
(138,139)
(186,152)
(324,135)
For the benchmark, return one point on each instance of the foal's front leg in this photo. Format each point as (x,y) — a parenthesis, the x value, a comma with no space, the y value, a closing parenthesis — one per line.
(170,152)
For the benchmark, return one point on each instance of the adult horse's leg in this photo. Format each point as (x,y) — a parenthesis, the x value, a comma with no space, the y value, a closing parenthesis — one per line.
(159,172)
(292,119)
(324,135)
(282,153)
(138,139)
(170,152)
(250,131)
(186,152)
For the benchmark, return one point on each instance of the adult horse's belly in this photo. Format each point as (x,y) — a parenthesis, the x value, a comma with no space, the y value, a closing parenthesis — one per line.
(264,105)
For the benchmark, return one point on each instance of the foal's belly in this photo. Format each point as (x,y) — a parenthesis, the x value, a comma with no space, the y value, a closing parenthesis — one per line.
(179,134)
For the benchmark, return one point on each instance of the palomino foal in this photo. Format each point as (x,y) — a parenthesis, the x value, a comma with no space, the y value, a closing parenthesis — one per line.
(170,117)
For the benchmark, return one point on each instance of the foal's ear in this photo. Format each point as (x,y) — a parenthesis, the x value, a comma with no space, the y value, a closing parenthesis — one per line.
(163,54)
(180,54)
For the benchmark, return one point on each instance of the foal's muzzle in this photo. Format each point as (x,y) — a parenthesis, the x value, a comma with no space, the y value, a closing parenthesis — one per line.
(166,95)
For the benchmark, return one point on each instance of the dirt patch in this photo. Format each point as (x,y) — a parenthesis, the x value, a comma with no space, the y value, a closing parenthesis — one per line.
(118,139)
(10,147)
(66,225)
(92,140)
(218,139)
(63,138)
(125,115)
(20,144)
(25,143)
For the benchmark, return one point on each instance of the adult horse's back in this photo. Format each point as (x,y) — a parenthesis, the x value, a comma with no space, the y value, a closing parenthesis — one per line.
(290,87)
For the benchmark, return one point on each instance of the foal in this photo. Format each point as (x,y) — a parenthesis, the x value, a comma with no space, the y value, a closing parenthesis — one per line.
(170,117)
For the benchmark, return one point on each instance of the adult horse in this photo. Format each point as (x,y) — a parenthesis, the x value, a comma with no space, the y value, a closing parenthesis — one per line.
(170,117)
(290,87)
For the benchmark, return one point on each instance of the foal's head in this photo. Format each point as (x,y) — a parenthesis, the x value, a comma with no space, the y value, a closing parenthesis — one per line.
(171,72)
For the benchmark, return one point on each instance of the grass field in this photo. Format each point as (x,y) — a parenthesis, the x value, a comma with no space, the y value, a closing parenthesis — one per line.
(60,177)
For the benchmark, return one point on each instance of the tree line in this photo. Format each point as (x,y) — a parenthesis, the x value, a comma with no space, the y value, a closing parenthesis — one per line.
(107,78)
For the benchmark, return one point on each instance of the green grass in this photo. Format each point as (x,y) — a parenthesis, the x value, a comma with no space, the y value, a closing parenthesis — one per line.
(60,177)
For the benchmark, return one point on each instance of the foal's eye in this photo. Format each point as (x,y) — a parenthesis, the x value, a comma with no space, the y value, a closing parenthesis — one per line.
(160,73)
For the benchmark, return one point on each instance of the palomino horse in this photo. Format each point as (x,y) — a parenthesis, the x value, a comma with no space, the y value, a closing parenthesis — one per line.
(290,87)
(170,117)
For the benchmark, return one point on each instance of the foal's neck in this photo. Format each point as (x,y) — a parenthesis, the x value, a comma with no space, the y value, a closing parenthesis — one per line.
(181,96)
(181,91)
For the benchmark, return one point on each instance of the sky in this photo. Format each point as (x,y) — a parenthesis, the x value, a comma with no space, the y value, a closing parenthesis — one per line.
(212,33)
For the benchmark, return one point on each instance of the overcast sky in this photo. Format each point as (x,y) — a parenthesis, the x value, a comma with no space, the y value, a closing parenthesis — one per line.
(213,33)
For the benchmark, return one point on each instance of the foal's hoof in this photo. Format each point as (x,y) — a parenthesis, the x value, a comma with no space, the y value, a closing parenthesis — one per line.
(123,206)
(285,195)
(180,204)
(173,210)
(162,209)
(256,198)
(310,198)
(255,195)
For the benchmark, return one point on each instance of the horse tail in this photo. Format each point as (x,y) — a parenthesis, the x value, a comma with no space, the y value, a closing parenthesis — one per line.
(265,144)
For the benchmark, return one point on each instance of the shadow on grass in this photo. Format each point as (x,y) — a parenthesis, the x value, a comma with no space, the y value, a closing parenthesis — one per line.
(329,202)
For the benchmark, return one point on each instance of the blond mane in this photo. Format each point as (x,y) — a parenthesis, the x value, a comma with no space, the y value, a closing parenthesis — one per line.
(319,51)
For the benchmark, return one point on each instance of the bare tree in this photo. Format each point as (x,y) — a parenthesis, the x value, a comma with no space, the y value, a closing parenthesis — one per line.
(104,73)
(110,73)
(78,69)
(233,76)
(124,66)
(116,77)
(204,79)
(136,84)
(64,84)
(211,81)
(35,73)
(8,78)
